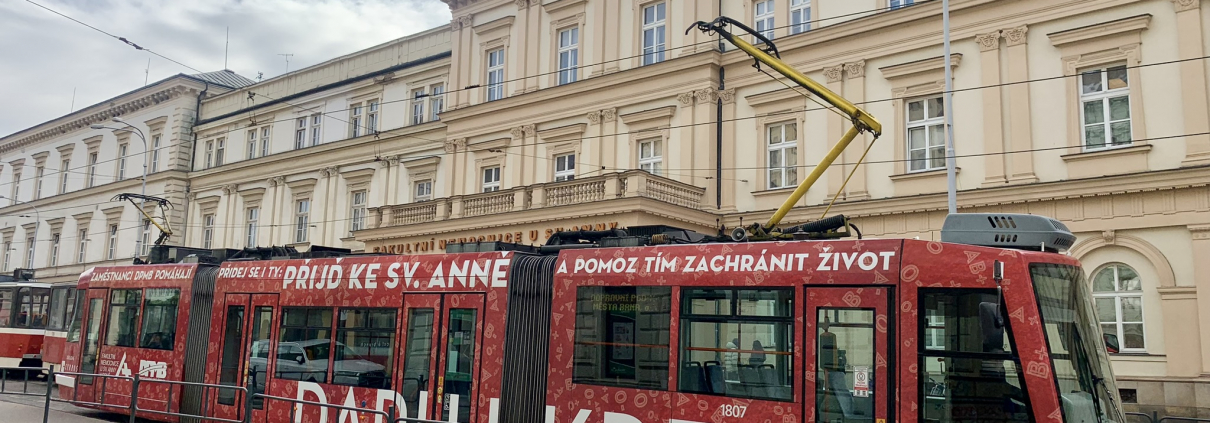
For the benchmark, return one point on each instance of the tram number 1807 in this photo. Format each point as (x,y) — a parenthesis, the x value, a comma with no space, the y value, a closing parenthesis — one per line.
(728,410)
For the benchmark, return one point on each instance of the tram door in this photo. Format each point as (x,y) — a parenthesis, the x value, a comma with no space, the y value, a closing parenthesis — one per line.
(845,348)
(90,389)
(249,325)
(440,355)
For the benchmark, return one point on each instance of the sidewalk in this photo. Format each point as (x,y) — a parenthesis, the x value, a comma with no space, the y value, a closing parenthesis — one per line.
(17,413)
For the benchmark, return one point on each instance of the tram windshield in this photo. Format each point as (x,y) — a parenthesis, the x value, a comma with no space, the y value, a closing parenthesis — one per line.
(1085,380)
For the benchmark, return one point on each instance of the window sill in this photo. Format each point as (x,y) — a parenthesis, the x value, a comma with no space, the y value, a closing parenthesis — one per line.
(1111,161)
(927,181)
(298,245)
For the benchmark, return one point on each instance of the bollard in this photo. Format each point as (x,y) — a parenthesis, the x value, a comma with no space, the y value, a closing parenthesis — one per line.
(50,378)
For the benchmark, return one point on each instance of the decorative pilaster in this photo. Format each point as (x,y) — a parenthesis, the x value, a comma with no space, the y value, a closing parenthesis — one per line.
(1194,104)
(836,127)
(994,163)
(685,99)
(1021,166)
(1200,235)
(855,91)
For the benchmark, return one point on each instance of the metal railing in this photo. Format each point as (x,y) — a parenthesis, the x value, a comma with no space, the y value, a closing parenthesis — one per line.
(1154,417)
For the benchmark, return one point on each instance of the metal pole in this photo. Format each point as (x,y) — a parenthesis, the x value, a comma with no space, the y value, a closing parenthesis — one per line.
(134,398)
(138,243)
(950,172)
(50,378)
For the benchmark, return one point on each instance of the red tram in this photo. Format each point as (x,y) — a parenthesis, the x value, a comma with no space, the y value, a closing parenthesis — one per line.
(788,331)
(25,315)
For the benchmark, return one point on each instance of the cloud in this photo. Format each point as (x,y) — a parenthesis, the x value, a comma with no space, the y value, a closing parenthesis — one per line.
(48,56)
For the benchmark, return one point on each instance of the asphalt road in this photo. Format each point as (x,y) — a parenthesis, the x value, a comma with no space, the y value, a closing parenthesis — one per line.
(28,409)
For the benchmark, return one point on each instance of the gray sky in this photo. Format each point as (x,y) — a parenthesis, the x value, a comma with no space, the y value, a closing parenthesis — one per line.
(44,56)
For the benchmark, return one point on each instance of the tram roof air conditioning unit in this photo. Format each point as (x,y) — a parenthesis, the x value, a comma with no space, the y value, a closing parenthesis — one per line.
(1006,230)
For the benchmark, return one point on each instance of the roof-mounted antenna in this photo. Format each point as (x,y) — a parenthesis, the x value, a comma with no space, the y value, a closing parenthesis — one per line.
(226,47)
(287,55)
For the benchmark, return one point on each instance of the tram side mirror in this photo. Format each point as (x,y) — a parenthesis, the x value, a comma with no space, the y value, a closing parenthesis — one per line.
(1111,343)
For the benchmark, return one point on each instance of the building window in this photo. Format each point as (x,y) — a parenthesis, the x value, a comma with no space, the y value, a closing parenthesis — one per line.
(491,179)
(219,150)
(651,156)
(82,246)
(764,19)
(1105,99)
(622,336)
(355,115)
(112,251)
(29,251)
(300,134)
(155,153)
(357,214)
(418,106)
(253,224)
(800,16)
(38,173)
(424,190)
(437,101)
(569,55)
(565,167)
(208,231)
(92,169)
(54,250)
(783,154)
(316,121)
(145,245)
(495,74)
(264,141)
(253,144)
(744,337)
(926,134)
(1117,292)
(16,188)
(895,4)
(63,166)
(302,217)
(8,253)
(653,33)
(122,150)
(209,154)
(372,117)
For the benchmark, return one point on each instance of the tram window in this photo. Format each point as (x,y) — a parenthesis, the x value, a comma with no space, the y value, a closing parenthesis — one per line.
(303,352)
(844,341)
(362,355)
(159,320)
(77,318)
(33,307)
(233,337)
(88,359)
(971,371)
(621,336)
(416,363)
(58,307)
(6,307)
(737,343)
(123,317)
(258,353)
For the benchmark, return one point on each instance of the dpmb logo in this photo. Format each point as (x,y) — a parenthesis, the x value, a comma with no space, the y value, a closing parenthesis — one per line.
(151,369)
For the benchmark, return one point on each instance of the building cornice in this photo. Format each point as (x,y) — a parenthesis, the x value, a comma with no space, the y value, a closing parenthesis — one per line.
(100,113)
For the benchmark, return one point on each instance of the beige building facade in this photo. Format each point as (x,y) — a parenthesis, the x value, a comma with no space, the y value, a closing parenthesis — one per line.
(525,117)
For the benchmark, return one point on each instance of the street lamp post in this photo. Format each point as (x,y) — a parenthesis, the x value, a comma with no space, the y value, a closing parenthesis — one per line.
(138,243)
(37,224)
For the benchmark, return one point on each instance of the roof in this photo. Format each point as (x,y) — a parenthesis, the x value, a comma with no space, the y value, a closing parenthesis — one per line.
(225,78)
